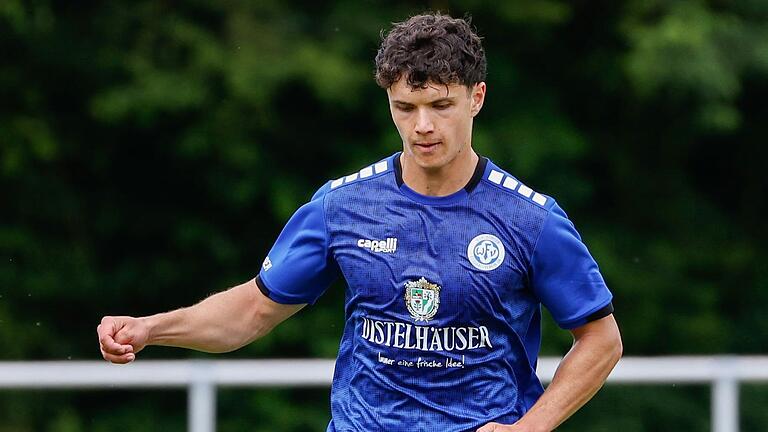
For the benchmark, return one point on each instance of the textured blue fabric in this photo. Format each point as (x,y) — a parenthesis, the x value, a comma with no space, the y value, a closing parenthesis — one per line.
(305,268)
(563,284)
(408,362)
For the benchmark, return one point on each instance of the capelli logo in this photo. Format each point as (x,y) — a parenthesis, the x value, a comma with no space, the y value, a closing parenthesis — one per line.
(381,246)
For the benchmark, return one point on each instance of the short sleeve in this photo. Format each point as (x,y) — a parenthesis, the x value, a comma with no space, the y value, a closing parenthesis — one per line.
(565,277)
(299,268)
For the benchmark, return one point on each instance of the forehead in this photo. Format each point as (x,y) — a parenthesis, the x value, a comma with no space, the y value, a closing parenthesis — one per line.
(401,91)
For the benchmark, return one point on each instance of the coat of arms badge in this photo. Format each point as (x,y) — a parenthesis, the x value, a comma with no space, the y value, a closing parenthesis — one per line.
(422,298)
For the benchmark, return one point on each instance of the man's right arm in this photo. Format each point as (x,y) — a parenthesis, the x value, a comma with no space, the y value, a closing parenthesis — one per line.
(223,322)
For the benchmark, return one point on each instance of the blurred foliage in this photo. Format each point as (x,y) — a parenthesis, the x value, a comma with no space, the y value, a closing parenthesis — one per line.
(151,151)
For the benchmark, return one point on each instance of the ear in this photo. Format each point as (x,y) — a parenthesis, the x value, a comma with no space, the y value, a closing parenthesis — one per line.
(477,94)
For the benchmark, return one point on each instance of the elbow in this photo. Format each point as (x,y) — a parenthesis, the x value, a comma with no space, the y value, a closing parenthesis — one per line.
(617,347)
(258,326)
(239,339)
(258,333)
(239,333)
(612,342)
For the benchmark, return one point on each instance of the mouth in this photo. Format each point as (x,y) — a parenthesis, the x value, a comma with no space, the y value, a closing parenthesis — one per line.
(426,146)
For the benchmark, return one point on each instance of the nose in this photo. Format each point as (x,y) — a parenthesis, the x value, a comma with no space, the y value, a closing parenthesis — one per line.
(424,123)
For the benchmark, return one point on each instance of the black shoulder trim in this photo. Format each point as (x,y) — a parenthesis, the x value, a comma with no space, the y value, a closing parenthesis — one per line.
(477,175)
(263,288)
(602,313)
(471,185)
(398,169)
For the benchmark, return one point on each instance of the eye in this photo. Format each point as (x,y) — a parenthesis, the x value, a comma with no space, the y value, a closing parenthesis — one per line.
(404,108)
(442,106)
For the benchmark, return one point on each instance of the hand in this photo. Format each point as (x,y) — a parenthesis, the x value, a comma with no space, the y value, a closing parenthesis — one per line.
(498,427)
(121,338)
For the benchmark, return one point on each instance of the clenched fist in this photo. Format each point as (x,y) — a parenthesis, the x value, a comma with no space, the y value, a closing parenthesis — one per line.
(121,338)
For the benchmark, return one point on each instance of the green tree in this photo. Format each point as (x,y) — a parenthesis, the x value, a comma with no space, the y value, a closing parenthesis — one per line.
(150,153)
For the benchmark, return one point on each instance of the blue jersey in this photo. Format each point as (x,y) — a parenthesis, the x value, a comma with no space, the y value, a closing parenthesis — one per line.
(443,298)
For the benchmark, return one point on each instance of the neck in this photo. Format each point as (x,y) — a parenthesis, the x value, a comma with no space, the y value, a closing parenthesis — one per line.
(441,181)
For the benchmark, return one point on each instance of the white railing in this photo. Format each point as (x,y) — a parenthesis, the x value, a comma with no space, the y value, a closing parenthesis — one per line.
(202,377)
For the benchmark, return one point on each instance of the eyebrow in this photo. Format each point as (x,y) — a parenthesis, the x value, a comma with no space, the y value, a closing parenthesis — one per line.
(436,101)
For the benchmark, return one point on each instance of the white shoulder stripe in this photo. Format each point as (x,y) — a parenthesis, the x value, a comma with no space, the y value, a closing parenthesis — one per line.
(495,176)
(380,167)
(513,184)
(525,191)
(510,183)
(366,172)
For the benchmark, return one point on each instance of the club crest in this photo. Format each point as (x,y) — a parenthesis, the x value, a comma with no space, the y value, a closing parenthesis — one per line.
(422,298)
(486,252)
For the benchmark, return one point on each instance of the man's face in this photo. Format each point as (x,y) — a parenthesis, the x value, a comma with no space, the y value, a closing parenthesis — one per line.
(435,123)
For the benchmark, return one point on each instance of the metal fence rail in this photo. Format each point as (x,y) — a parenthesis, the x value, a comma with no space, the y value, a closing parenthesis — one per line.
(201,377)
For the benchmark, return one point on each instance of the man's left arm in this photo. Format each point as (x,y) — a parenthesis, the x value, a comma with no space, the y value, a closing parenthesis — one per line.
(596,349)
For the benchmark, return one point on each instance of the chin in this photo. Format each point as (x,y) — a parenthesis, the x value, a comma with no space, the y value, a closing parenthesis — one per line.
(430,162)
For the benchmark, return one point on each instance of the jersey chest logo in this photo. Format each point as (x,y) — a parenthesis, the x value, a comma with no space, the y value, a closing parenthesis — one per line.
(422,298)
(486,252)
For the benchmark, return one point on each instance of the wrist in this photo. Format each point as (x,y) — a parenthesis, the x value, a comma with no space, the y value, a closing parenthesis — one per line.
(528,425)
(150,324)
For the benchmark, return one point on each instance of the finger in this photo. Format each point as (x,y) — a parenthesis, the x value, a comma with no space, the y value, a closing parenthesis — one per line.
(108,343)
(124,337)
(118,359)
(490,427)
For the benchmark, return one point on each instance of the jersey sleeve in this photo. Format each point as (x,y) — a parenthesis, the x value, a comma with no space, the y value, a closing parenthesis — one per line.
(299,268)
(565,277)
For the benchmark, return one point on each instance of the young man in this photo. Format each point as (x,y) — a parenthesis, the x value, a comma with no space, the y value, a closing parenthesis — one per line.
(447,259)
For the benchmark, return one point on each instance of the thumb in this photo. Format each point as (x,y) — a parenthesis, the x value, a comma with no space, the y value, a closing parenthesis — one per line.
(124,337)
(490,427)
(130,333)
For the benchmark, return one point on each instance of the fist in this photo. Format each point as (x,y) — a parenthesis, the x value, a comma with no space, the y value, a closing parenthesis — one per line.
(121,337)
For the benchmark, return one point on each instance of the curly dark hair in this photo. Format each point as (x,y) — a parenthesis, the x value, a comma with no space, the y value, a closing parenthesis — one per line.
(431,48)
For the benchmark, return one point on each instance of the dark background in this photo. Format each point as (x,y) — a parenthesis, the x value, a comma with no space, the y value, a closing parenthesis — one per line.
(150,152)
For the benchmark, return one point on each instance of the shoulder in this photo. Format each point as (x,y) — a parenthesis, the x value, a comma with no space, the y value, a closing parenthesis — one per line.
(365,175)
(501,182)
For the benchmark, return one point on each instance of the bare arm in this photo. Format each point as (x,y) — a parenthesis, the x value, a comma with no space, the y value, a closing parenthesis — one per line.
(223,322)
(596,350)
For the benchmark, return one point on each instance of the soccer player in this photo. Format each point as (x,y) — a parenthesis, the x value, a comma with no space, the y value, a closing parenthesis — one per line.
(447,260)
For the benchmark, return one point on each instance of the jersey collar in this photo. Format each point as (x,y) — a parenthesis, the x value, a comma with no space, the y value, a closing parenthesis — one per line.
(477,175)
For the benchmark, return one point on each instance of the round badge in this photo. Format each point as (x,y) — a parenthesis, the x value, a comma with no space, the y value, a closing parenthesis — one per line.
(486,252)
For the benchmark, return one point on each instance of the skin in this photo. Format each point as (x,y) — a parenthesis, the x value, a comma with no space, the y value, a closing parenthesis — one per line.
(435,125)
(596,349)
(223,322)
